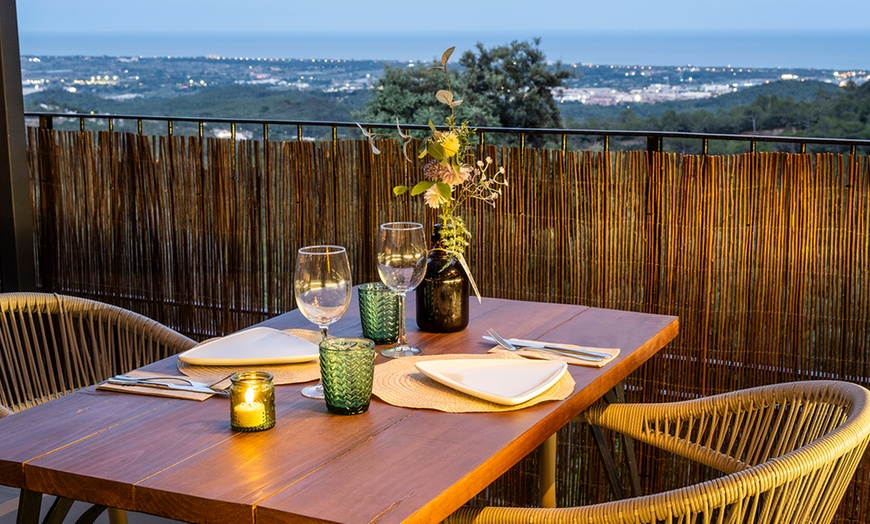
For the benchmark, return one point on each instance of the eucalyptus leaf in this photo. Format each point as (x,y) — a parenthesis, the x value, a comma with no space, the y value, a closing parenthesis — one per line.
(445,189)
(435,151)
(446,56)
(422,187)
(445,97)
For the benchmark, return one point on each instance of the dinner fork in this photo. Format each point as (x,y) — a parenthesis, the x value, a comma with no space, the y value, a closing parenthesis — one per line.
(165,381)
(563,352)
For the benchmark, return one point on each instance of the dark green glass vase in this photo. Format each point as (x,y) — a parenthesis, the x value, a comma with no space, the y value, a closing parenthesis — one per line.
(442,297)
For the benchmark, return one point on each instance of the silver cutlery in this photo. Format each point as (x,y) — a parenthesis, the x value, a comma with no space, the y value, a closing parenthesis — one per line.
(535,344)
(165,382)
(572,353)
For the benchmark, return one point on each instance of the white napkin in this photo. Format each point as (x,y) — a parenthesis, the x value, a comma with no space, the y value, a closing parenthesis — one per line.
(152,391)
(546,355)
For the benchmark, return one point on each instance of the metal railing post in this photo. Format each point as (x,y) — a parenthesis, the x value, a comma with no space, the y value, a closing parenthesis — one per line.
(46,122)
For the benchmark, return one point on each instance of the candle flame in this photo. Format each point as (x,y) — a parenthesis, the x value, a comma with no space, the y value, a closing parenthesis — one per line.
(249,396)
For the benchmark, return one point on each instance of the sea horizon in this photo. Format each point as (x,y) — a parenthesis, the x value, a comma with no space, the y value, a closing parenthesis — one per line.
(827,50)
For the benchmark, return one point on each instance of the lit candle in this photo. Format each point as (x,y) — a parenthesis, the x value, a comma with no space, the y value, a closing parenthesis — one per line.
(250,413)
(252,401)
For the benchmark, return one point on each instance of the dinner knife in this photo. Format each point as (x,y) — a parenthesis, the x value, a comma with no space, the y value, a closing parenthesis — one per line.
(569,348)
(198,387)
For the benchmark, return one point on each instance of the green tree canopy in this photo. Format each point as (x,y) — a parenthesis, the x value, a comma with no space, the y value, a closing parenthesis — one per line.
(506,86)
(517,80)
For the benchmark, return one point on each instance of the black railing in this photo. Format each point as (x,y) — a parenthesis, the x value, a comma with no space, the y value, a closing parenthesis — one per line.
(653,140)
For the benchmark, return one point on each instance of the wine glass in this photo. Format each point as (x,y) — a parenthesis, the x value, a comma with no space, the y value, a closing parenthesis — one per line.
(323,290)
(402,254)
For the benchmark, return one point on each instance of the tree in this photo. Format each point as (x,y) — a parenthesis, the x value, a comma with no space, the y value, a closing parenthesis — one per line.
(518,80)
(507,86)
(406,93)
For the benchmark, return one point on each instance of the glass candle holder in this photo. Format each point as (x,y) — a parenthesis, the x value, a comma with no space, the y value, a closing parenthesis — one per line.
(252,401)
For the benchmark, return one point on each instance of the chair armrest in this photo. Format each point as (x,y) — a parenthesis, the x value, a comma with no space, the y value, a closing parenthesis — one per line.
(732,431)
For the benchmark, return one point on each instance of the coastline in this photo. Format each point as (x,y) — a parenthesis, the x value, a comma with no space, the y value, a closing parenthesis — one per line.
(834,50)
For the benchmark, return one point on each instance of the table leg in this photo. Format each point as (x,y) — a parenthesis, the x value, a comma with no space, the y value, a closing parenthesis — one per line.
(91,515)
(607,460)
(117,516)
(58,511)
(548,473)
(29,504)
(617,394)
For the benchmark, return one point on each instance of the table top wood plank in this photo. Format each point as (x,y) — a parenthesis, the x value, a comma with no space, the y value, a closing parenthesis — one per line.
(187,448)
(61,423)
(371,489)
(252,466)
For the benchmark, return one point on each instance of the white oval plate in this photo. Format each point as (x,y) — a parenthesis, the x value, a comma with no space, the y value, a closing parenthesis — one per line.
(252,347)
(503,381)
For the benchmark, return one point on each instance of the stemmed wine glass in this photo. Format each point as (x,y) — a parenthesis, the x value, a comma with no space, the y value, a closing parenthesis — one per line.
(323,290)
(402,254)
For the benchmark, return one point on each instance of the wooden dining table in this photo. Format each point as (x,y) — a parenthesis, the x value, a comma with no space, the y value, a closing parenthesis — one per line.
(179,459)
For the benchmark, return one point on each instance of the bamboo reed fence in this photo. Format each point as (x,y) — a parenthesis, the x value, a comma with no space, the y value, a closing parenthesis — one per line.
(765,257)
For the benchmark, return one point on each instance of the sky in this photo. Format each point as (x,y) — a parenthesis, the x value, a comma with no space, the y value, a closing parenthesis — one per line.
(622,32)
(480,15)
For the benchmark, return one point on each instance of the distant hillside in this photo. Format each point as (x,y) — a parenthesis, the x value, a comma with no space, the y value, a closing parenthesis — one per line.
(220,102)
(790,110)
(575,113)
(806,108)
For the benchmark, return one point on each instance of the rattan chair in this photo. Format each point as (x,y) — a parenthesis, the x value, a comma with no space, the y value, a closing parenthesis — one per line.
(788,452)
(53,344)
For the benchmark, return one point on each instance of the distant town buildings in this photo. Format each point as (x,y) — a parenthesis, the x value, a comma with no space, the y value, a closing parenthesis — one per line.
(124,78)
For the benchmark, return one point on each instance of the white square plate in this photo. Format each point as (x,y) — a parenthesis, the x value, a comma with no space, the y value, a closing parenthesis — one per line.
(252,347)
(503,381)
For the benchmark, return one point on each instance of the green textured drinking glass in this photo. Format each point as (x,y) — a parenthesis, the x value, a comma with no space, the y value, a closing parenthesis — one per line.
(379,312)
(347,367)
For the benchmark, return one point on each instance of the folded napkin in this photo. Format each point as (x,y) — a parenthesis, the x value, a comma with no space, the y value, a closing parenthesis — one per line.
(152,391)
(546,355)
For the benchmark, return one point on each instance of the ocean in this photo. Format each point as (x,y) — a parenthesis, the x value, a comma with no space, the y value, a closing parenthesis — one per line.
(846,50)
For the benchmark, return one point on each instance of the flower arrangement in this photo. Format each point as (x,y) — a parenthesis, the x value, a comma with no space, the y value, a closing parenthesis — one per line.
(452,176)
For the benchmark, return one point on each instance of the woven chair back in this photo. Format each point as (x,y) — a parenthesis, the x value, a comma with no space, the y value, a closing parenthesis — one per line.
(53,344)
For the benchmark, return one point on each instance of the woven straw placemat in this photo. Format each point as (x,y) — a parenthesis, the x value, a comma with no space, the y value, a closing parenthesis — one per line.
(281,373)
(398,382)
